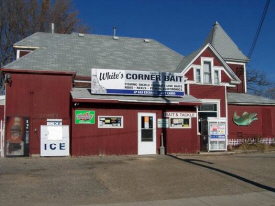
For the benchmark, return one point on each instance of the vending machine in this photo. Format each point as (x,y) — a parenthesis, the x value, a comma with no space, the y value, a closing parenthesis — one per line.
(217,133)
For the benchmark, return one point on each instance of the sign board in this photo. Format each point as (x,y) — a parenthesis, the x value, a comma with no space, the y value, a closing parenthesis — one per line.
(55,140)
(130,82)
(180,114)
(163,123)
(54,121)
(84,117)
(217,132)
(110,122)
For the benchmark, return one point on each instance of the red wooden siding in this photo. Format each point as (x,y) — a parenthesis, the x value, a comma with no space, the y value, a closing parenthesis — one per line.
(2,110)
(39,97)
(90,140)
(263,127)
(224,77)
(190,74)
(239,71)
(210,92)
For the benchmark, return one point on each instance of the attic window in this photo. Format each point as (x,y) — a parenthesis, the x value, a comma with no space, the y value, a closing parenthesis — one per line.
(21,53)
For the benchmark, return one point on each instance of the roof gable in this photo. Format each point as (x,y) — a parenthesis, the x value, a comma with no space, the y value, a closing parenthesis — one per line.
(187,62)
(224,45)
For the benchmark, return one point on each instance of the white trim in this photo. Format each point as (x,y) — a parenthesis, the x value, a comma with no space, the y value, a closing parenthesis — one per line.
(83,81)
(145,148)
(226,117)
(213,101)
(25,47)
(238,63)
(244,74)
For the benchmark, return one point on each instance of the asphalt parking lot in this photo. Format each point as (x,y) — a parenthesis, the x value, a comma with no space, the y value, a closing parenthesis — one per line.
(123,179)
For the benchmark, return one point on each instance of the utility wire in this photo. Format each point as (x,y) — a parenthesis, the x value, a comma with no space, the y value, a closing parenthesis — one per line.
(259,29)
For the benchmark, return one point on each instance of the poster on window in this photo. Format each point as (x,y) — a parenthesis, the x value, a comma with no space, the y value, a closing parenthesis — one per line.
(180,123)
(17,139)
(217,130)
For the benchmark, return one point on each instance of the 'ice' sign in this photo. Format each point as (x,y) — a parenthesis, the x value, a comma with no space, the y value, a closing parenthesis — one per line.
(54,140)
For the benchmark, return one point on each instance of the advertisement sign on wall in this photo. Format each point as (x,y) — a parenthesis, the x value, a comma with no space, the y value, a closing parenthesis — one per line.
(107,81)
(17,142)
(217,130)
(110,122)
(84,117)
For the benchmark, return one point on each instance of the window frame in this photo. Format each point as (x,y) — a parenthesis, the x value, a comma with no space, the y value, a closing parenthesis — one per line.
(183,118)
(211,64)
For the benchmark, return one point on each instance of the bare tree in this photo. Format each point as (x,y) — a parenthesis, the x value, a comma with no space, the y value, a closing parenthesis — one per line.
(259,84)
(21,18)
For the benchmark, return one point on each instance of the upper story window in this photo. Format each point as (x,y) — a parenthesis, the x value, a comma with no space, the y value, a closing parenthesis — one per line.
(216,77)
(206,73)
(198,75)
(207,70)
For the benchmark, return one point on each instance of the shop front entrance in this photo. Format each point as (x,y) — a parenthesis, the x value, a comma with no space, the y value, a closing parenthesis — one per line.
(146,133)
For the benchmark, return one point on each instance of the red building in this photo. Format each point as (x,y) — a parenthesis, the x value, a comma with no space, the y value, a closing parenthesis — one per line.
(167,102)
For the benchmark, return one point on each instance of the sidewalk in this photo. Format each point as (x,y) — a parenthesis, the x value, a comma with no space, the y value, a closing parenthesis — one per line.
(248,199)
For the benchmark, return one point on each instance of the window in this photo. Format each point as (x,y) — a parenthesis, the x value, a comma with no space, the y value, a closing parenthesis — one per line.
(198,75)
(180,123)
(207,72)
(216,77)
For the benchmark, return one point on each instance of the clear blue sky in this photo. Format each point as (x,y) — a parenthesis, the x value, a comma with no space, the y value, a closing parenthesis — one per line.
(183,25)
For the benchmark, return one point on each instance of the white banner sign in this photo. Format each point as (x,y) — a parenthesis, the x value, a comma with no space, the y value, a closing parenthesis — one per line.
(179,114)
(107,81)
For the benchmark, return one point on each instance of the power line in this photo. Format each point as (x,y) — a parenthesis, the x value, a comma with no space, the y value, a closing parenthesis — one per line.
(259,29)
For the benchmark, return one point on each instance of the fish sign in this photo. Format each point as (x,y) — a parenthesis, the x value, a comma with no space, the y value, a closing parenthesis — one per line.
(245,120)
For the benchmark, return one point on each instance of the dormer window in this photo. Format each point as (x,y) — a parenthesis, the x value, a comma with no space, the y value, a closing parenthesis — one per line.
(22,52)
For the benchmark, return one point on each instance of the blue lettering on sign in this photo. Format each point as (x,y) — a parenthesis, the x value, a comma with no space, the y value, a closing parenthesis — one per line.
(145,92)
(53,146)
(62,146)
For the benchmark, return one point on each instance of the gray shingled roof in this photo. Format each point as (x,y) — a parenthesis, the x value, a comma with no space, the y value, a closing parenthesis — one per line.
(83,93)
(70,52)
(248,99)
(186,60)
(224,45)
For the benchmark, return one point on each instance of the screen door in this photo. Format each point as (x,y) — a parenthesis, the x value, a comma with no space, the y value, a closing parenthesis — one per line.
(146,133)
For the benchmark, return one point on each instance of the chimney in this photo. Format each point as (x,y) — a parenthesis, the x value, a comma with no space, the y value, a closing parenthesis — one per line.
(52,27)
(114,28)
(115,37)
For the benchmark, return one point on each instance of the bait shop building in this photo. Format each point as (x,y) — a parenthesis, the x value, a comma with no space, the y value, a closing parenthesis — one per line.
(85,94)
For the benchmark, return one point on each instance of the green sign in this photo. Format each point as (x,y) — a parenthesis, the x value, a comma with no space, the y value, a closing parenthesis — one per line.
(84,117)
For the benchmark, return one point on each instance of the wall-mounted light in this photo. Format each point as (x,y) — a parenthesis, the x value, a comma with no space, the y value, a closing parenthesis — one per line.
(8,78)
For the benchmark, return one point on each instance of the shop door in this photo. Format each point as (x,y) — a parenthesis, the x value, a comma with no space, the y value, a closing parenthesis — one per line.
(146,133)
